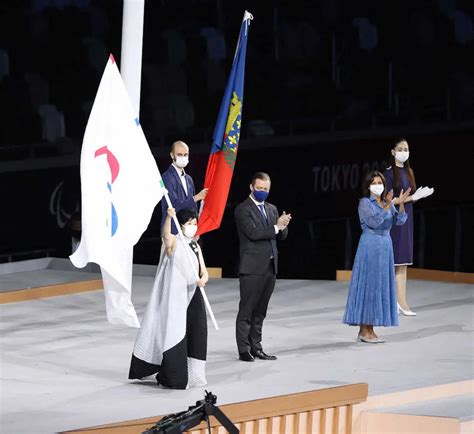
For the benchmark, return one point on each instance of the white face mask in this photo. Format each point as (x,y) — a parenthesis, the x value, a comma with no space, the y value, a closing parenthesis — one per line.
(402,156)
(377,189)
(181,162)
(190,230)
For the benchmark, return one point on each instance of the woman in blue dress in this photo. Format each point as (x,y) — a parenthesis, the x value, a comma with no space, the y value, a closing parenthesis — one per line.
(372,299)
(399,177)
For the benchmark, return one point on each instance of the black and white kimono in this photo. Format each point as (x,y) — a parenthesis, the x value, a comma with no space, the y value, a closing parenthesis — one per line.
(172,340)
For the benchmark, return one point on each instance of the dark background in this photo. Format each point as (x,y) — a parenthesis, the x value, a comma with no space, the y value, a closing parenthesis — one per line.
(318,113)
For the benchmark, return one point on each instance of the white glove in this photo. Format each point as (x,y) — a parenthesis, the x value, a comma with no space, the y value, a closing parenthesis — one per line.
(429,192)
(417,194)
(421,193)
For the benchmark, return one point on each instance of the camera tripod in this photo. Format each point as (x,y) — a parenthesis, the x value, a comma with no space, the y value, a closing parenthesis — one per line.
(183,421)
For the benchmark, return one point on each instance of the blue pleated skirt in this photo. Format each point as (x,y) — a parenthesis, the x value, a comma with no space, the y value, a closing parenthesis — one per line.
(372,298)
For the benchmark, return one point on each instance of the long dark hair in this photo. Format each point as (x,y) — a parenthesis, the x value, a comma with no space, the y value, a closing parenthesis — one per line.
(368,179)
(396,169)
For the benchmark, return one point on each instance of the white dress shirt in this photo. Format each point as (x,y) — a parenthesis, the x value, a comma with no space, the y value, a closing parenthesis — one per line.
(182,177)
(264,210)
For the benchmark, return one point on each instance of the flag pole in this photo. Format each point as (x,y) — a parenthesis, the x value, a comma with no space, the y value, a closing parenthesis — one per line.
(132,48)
(201,207)
(188,254)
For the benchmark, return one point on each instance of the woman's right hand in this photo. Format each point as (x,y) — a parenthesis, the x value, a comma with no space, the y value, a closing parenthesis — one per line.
(171,213)
(388,200)
(390,196)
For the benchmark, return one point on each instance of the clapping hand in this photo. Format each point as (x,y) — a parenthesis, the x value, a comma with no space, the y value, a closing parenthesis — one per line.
(389,196)
(388,200)
(403,195)
(283,221)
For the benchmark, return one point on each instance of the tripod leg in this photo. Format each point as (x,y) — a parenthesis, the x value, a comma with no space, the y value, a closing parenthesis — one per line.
(210,409)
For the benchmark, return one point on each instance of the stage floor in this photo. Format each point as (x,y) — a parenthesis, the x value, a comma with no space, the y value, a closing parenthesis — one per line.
(64,367)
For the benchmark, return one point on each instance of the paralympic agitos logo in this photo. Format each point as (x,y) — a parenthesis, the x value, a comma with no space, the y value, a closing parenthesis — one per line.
(114,171)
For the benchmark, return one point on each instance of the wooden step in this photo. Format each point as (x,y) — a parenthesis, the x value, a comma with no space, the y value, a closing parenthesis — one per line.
(67,288)
(320,411)
(409,411)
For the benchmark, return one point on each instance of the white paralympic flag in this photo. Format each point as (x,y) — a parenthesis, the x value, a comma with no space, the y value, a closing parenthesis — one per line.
(121,185)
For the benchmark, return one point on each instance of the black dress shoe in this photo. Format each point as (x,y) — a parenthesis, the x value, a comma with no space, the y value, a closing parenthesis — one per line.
(259,354)
(246,357)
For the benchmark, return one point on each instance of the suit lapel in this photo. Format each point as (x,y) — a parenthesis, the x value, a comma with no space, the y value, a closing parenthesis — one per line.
(254,208)
(188,183)
(178,180)
(268,210)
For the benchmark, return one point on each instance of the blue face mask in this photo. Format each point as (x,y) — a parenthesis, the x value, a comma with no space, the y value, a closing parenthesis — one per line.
(260,195)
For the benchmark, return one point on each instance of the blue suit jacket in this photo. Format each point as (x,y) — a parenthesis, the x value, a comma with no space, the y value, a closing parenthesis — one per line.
(178,197)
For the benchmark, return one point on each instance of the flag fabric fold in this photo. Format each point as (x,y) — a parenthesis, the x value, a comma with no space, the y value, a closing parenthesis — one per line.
(220,166)
(120,187)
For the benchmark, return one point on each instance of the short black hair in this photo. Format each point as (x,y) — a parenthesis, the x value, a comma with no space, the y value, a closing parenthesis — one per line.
(186,214)
(262,176)
(368,179)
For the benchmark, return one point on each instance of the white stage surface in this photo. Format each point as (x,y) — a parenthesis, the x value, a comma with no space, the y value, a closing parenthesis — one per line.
(64,367)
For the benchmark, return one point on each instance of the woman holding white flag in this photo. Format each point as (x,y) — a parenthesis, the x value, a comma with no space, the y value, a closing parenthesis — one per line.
(172,341)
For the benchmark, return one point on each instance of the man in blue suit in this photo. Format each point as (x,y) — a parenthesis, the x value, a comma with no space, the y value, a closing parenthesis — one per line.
(179,184)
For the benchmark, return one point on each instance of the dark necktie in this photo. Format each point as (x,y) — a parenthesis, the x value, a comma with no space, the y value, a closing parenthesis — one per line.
(185,182)
(261,207)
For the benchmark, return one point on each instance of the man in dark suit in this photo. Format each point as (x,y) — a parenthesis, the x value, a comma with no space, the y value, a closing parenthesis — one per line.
(259,226)
(179,184)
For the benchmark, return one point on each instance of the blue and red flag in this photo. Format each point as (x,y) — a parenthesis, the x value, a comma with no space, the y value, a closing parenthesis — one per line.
(220,166)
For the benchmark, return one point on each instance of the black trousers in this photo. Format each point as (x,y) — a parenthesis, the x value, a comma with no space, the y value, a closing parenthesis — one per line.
(255,293)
